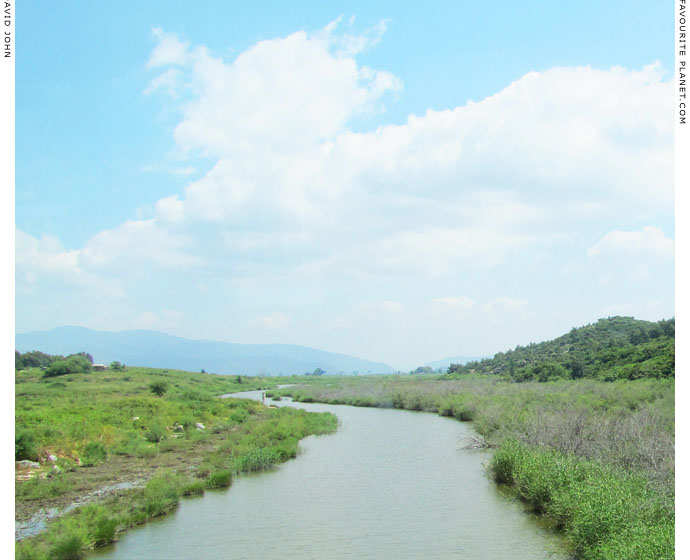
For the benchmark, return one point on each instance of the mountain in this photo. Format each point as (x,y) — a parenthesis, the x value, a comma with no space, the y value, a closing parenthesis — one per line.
(610,349)
(444,364)
(155,349)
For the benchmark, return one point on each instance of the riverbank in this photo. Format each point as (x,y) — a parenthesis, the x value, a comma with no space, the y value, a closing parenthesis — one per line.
(109,440)
(596,457)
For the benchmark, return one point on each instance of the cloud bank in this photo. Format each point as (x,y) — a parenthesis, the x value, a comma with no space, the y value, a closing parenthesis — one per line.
(294,192)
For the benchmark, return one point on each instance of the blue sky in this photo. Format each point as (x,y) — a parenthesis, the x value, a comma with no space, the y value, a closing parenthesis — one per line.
(401,182)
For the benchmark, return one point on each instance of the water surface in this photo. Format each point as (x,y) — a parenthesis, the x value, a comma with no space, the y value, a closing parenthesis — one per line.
(388,484)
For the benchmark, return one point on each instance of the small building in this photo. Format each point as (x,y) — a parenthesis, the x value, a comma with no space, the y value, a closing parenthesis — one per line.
(99,367)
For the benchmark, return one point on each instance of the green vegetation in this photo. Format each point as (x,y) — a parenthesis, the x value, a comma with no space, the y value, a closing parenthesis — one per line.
(607,514)
(94,429)
(610,349)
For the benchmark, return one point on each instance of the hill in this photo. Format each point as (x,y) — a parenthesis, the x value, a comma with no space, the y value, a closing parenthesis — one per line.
(610,349)
(155,349)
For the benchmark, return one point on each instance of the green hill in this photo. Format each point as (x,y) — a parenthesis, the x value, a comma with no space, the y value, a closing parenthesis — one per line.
(610,349)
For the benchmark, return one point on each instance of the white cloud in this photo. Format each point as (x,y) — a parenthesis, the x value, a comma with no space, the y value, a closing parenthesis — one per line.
(169,81)
(505,304)
(649,243)
(139,242)
(45,260)
(169,50)
(276,321)
(293,193)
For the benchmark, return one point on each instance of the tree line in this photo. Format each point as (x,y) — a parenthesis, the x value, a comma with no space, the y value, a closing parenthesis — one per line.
(610,349)
(55,365)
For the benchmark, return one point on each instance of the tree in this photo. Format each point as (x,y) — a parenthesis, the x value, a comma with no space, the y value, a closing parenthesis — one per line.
(33,359)
(318,371)
(159,388)
(72,364)
(117,366)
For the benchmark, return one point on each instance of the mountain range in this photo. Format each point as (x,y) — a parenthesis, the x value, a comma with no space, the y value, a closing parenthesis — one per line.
(155,349)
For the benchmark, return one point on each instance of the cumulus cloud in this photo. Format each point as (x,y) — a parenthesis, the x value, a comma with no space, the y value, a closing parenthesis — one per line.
(648,243)
(293,190)
(45,260)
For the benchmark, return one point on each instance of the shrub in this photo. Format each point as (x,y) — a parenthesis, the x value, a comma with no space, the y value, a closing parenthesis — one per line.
(155,433)
(24,446)
(94,453)
(69,546)
(159,388)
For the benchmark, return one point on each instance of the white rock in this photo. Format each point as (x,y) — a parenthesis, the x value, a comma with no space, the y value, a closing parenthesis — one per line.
(52,458)
(200,426)
(135,418)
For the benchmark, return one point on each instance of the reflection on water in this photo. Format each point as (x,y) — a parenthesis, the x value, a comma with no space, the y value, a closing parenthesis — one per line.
(388,484)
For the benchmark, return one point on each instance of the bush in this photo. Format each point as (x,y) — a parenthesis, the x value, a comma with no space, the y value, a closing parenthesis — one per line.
(68,547)
(24,446)
(159,388)
(105,529)
(94,453)
(155,433)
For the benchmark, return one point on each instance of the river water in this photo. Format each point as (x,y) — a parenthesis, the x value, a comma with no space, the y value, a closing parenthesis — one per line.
(388,484)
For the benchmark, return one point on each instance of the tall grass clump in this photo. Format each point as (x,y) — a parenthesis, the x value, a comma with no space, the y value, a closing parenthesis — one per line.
(162,494)
(595,505)
(256,460)
(219,479)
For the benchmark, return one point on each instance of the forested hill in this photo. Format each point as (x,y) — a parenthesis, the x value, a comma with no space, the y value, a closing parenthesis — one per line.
(610,349)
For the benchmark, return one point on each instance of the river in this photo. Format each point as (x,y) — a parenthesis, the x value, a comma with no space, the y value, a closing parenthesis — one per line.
(388,484)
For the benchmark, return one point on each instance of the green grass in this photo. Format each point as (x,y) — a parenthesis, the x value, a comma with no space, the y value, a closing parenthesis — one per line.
(606,513)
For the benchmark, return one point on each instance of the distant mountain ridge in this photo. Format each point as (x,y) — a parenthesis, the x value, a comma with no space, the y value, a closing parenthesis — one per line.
(155,349)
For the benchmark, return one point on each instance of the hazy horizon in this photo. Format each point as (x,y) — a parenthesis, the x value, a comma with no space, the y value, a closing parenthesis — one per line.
(397,183)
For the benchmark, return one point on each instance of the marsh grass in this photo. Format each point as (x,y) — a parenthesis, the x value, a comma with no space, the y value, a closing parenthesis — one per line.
(594,504)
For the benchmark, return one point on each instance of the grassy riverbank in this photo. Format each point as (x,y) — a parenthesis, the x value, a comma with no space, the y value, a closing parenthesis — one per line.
(596,457)
(90,432)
